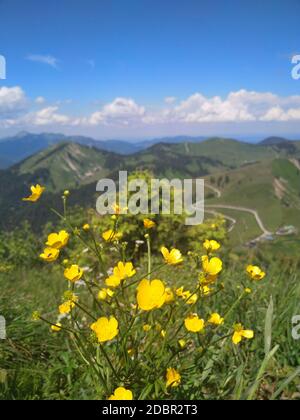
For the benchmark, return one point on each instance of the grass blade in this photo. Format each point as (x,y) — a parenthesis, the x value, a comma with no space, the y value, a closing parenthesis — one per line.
(268,327)
(261,372)
(285,384)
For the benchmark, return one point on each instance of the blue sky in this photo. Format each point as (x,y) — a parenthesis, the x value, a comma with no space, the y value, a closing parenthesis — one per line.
(139,68)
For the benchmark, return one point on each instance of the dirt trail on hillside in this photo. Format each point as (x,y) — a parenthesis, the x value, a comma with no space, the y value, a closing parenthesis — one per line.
(265,231)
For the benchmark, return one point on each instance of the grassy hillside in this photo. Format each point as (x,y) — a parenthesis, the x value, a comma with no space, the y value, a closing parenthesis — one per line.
(231,153)
(271,187)
(247,175)
(68,165)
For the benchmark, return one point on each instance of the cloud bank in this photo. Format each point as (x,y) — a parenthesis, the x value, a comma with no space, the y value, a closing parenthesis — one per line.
(237,108)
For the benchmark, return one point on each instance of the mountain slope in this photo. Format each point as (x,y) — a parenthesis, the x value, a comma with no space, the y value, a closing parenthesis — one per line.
(271,187)
(14,149)
(270,141)
(62,166)
(67,165)
(209,155)
(248,175)
(19,147)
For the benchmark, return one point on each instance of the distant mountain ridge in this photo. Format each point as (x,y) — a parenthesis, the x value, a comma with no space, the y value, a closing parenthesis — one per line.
(269,141)
(16,148)
(70,165)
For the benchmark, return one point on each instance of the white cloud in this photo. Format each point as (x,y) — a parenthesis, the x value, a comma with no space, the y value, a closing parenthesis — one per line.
(40,100)
(170,100)
(239,106)
(197,110)
(44,59)
(278,114)
(12,100)
(48,116)
(121,110)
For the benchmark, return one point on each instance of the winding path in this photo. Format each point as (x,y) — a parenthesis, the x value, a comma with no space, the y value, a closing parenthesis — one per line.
(265,232)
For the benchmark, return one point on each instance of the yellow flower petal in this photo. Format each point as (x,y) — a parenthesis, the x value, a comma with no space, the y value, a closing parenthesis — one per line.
(111,236)
(194,324)
(211,246)
(121,393)
(212,266)
(255,272)
(105,328)
(73,273)
(36,192)
(56,327)
(58,240)
(50,254)
(173,377)
(172,257)
(150,294)
(149,224)
(216,319)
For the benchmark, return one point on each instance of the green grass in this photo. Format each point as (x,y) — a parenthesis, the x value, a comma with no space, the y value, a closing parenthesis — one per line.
(253,187)
(245,229)
(37,364)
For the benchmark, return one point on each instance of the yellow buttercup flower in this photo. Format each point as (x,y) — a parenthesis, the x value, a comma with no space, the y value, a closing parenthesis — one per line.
(105,293)
(163,333)
(56,327)
(207,279)
(190,298)
(69,304)
(216,319)
(50,254)
(111,236)
(240,333)
(205,290)
(212,266)
(248,290)
(119,210)
(73,273)
(147,327)
(130,352)
(173,377)
(105,328)
(36,192)
(193,323)
(35,316)
(86,227)
(172,257)
(179,291)
(182,343)
(211,246)
(255,272)
(169,295)
(149,224)
(121,272)
(121,393)
(58,240)
(150,294)
(66,307)
(187,295)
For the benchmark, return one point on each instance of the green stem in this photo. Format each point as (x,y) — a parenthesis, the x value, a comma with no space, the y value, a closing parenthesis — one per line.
(149,255)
